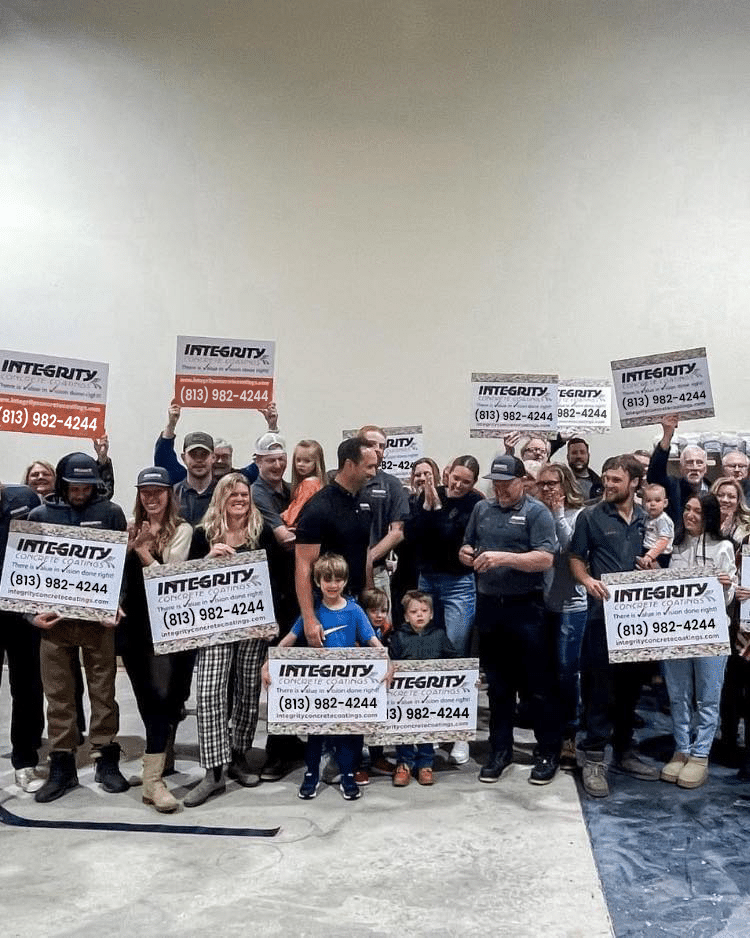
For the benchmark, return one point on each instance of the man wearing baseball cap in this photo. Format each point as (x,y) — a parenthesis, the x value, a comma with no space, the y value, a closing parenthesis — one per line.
(194,492)
(509,543)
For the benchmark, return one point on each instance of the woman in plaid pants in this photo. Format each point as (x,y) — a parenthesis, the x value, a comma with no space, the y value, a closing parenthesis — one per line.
(231,524)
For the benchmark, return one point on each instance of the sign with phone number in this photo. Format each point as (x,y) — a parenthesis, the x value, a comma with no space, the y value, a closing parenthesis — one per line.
(233,373)
(501,403)
(656,614)
(654,386)
(210,601)
(76,572)
(326,690)
(52,396)
(403,447)
(432,700)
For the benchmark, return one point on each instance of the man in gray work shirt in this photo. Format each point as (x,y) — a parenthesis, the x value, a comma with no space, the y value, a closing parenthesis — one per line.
(509,544)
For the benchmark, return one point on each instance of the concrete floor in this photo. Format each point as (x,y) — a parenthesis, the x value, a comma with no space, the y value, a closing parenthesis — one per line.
(461,858)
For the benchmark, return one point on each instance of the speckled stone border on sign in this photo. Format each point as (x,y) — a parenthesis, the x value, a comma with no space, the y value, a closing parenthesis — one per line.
(326,654)
(73,533)
(385,738)
(267,631)
(664,653)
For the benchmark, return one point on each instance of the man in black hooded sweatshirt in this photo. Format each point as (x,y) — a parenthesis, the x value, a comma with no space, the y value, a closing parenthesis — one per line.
(76,502)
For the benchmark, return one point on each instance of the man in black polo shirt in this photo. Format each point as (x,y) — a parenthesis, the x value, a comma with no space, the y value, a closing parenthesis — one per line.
(335,521)
(194,492)
(608,538)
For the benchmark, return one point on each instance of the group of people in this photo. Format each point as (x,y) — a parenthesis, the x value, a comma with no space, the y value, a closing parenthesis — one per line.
(516,575)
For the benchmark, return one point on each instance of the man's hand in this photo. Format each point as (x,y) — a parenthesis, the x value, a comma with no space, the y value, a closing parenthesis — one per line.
(489,559)
(669,423)
(314,633)
(101,448)
(596,589)
(511,440)
(109,622)
(466,555)
(271,413)
(265,674)
(173,415)
(45,620)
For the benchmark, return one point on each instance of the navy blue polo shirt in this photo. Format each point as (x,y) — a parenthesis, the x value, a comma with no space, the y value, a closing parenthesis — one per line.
(605,541)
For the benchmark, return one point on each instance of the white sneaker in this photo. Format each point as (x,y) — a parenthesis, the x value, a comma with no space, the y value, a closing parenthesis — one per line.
(460,753)
(28,780)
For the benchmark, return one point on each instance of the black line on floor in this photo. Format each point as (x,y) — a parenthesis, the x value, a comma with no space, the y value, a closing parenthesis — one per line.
(15,820)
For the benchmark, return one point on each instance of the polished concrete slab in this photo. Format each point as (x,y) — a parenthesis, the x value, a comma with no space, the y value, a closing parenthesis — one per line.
(510,859)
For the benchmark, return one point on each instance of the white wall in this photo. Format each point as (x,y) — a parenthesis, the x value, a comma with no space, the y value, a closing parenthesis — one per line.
(397,192)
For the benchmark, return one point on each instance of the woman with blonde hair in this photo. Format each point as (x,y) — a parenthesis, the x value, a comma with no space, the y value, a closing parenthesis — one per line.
(232,524)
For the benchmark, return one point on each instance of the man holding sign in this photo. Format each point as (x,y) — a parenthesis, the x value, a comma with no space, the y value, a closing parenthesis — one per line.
(608,538)
(76,503)
(693,465)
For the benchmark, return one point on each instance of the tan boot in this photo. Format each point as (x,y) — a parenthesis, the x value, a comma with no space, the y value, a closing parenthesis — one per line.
(671,771)
(155,792)
(694,773)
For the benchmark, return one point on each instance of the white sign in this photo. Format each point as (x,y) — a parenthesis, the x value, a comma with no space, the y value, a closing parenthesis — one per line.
(76,572)
(502,403)
(653,386)
(584,406)
(210,601)
(52,396)
(234,373)
(432,700)
(403,447)
(658,614)
(744,581)
(326,690)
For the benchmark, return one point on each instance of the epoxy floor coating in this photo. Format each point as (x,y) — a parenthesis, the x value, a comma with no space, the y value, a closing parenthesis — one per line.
(459,858)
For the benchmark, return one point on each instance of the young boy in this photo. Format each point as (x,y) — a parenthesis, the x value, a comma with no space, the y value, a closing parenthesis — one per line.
(344,625)
(418,638)
(659,533)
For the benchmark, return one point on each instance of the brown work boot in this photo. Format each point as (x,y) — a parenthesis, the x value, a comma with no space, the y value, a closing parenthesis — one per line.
(424,776)
(402,776)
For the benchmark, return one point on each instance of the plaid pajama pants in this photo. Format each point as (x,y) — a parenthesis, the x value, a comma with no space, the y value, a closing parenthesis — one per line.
(213,667)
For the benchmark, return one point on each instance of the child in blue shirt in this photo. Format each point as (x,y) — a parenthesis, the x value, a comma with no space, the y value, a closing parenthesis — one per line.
(344,626)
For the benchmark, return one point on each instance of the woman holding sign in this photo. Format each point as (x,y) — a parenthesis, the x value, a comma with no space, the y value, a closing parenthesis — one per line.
(232,524)
(157,535)
(694,684)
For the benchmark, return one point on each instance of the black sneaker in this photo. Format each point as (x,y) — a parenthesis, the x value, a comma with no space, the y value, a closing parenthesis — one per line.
(544,770)
(349,788)
(309,787)
(274,770)
(494,768)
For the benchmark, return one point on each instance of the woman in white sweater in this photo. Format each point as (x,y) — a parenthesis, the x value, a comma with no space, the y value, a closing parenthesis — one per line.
(694,684)
(157,535)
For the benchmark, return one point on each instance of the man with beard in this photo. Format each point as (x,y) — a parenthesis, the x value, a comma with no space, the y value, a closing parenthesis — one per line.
(578,460)
(693,465)
(608,538)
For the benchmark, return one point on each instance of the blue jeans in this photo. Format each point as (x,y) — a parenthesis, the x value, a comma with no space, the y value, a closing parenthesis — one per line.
(348,750)
(454,601)
(569,644)
(699,680)
(415,755)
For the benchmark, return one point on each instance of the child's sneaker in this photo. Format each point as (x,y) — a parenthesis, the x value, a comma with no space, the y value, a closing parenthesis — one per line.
(362,777)
(349,788)
(309,787)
